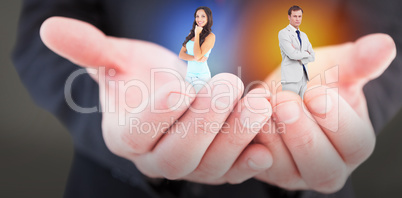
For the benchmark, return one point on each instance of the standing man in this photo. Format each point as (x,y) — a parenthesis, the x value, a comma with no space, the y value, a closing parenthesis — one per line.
(296,52)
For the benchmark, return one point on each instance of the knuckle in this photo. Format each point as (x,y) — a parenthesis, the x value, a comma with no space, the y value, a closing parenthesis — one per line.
(303,141)
(111,143)
(209,172)
(122,141)
(271,140)
(331,182)
(361,151)
(238,140)
(359,155)
(207,124)
(175,166)
(287,180)
(235,180)
(168,168)
(135,143)
(114,148)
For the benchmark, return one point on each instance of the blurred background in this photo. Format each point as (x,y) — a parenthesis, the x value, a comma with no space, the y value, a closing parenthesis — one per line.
(36,150)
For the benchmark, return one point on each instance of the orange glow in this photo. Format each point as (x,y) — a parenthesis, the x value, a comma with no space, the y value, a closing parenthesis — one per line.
(322,21)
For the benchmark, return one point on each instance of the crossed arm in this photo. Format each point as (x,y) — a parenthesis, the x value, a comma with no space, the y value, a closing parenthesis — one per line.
(187,57)
(199,51)
(294,54)
(310,50)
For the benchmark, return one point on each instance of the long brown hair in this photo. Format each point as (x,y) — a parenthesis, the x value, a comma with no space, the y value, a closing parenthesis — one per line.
(205,30)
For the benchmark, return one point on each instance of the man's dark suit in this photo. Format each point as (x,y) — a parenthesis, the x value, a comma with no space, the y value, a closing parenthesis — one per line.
(96,172)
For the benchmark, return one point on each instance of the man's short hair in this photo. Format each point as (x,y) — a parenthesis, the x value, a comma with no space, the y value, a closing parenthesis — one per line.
(294,8)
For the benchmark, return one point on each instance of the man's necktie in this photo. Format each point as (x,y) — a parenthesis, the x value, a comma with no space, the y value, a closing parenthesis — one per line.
(298,36)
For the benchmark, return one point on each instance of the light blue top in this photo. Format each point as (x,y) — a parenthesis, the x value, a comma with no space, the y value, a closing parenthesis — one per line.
(195,67)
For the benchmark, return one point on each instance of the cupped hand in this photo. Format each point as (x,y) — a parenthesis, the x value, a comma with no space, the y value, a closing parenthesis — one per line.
(318,142)
(152,117)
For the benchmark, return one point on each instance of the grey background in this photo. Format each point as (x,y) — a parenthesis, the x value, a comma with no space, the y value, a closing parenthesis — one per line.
(36,150)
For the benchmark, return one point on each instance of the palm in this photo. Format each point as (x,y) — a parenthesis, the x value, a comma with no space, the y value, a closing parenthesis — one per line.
(130,79)
(120,60)
(141,62)
(128,72)
(346,68)
(349,67)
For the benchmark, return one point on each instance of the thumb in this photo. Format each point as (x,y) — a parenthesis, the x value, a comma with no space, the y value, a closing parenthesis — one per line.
(78,41)
(367,58)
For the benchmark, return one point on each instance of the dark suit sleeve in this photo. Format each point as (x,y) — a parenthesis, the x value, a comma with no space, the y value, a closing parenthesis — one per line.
(384,94)
(44,75)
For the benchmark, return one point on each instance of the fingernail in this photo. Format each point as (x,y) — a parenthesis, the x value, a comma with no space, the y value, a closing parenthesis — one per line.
(320,104)
(287,112)
(254,166)
(178,101)
(255,113)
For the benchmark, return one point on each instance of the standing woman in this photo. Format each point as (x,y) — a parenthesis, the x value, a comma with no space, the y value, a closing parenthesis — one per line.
(197,47)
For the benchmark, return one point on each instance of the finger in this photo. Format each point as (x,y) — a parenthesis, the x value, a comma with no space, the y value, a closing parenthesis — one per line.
(353,64)
(367,58)
(349,66)
(353,138)
(240,128)
(283,172)
(358,61)
(78,41)
(254,159)
(139,130)
(85,45)
(180,151)
(318,162)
